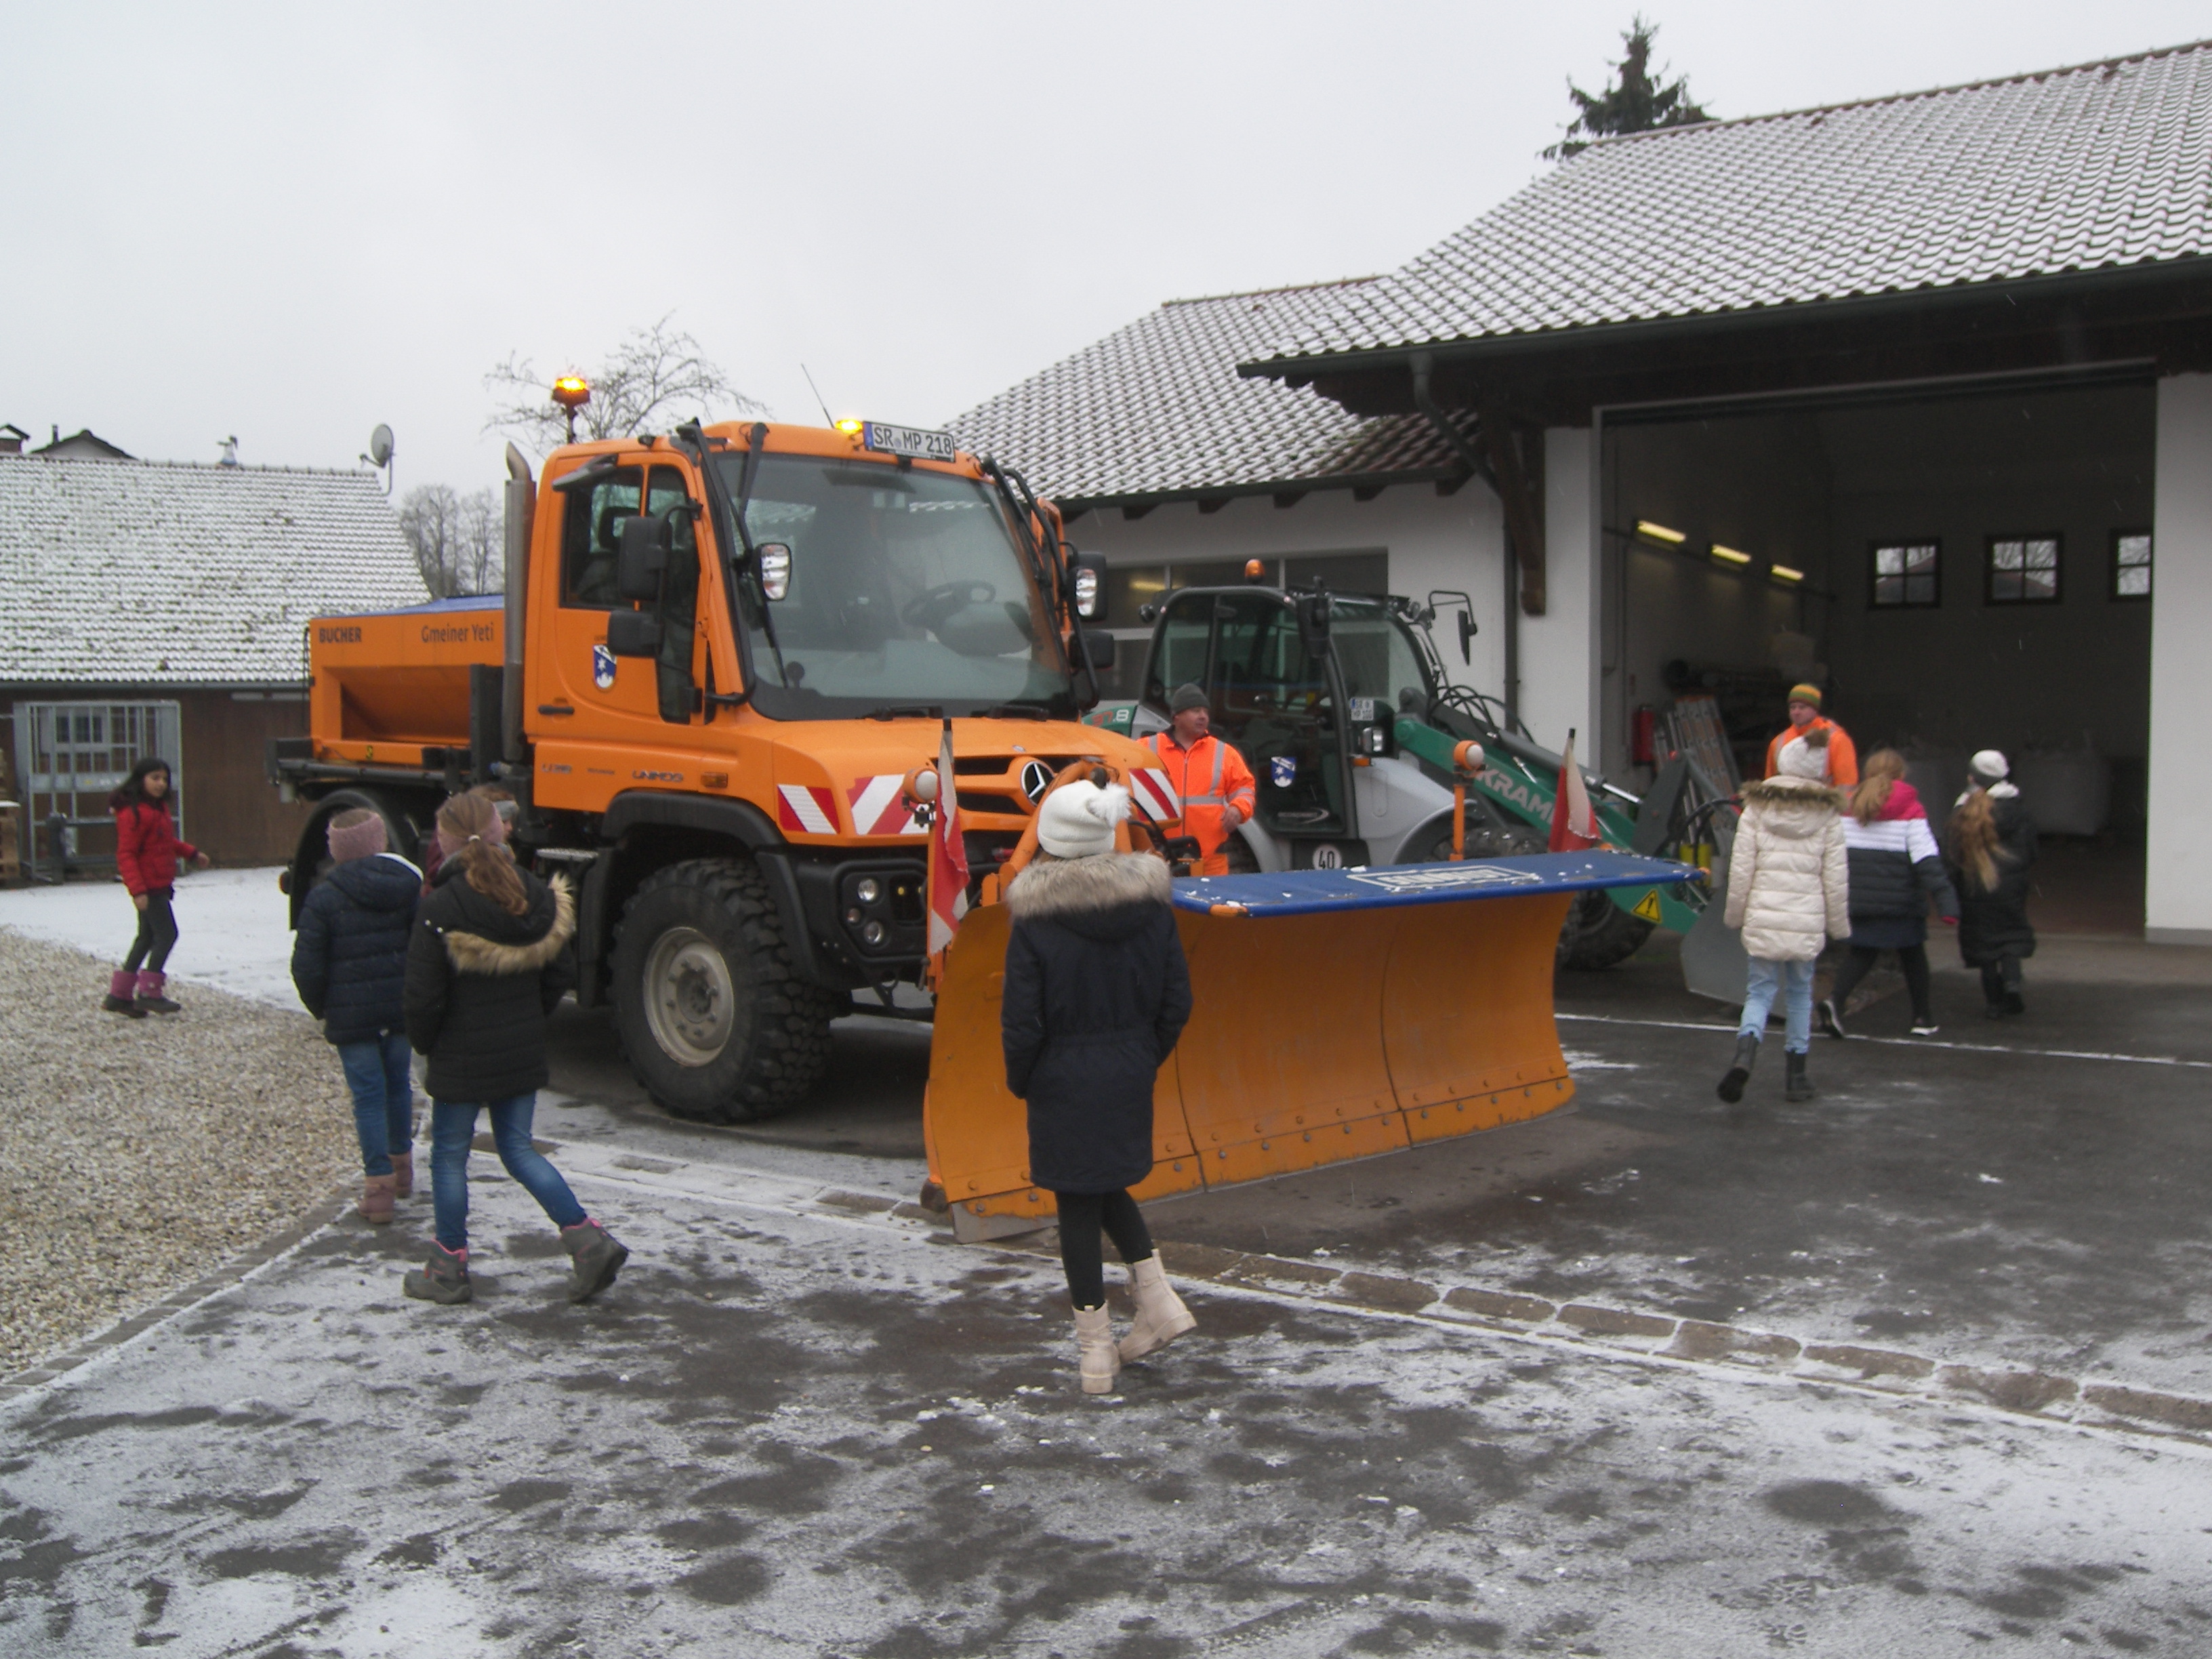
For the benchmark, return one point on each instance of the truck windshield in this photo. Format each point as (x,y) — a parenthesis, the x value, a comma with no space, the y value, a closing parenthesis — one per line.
(906,592)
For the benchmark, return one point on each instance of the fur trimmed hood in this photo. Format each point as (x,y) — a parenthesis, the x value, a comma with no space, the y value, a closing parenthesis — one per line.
(1794,792)
(1077,890)
(472,953)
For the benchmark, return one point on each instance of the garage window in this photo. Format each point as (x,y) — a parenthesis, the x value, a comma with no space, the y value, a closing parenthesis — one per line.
(1907,575)
(2131,564)
(2022,570)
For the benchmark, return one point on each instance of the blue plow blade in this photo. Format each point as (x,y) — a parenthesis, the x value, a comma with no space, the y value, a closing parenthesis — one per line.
(1309,892)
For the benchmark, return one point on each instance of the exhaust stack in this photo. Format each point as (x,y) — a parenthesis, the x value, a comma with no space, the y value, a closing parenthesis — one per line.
(522,500)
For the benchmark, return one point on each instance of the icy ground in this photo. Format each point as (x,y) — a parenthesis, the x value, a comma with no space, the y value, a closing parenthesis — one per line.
(234,928)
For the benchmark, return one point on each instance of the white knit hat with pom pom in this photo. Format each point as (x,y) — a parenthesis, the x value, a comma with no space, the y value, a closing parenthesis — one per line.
(1076,819)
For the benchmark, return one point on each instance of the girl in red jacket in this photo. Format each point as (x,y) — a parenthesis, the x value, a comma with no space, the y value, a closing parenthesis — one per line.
(146,853)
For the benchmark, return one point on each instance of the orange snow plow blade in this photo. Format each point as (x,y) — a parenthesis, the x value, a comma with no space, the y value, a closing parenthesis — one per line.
(1338,1015)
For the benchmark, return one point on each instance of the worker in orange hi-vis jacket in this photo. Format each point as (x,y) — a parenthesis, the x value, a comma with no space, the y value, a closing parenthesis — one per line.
(1208,775)
(1805,716)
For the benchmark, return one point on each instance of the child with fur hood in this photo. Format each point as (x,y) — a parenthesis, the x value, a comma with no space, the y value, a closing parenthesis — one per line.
(1096,993)
(1789,892)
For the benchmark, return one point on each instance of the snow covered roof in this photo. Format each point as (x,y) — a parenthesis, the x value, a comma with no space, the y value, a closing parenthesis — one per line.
(2097,168)
(161,573)
(1156,409)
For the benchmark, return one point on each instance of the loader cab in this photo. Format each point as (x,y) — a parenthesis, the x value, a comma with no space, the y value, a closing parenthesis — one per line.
(1272,678)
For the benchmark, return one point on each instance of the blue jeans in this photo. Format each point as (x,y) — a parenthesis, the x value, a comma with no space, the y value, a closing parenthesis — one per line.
(1795,980)
(383,1097)
(453,1126)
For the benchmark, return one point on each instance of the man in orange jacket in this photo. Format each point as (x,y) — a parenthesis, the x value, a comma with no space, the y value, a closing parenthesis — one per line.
(1805,716)
(1208,775)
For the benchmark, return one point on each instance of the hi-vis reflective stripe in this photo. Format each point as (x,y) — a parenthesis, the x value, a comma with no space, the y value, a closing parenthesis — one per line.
(1151,790)
(878,808)
(804,806)
(1212,797)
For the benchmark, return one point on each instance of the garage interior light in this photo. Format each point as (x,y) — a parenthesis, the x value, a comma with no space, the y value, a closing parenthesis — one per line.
(1729,556)
(1782,573)
(1660,532)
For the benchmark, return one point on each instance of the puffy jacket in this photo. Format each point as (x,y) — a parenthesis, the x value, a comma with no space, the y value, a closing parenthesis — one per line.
(1789,876)
(147,849)
(1843,754)
(1097,993)
(1895,870)
(349,958)
(480,982)
(1994,925)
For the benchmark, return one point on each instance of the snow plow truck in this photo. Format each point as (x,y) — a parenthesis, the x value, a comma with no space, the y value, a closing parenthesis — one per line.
(720,684)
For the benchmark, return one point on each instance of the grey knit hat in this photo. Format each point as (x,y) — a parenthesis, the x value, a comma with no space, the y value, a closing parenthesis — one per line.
(1186,696)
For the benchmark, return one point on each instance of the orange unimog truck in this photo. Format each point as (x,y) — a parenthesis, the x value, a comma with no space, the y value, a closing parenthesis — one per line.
(719,657)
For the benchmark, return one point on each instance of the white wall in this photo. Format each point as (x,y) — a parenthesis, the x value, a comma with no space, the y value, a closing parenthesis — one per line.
(1559,660)
(1433,541)
(2178,896)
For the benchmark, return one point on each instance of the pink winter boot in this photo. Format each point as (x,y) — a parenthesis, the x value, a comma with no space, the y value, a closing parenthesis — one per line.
(150,999)
(122,985)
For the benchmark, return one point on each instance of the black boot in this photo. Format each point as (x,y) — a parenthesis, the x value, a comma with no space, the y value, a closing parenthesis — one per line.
(1796,1086)
(1738,1074)
(2008,977)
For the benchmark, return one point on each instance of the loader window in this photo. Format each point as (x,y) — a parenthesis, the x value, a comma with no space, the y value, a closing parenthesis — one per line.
(1179,657)
(905,591)
(1275,703)
(590,535)
(1376,659)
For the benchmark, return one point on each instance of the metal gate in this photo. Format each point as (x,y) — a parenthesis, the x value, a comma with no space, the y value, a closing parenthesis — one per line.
(70,756)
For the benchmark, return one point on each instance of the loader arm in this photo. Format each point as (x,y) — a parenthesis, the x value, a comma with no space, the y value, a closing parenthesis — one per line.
(1339,1015)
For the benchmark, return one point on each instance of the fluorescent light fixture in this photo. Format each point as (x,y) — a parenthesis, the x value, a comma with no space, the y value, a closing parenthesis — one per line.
(1782,573)
(1730,555)
(1659,532)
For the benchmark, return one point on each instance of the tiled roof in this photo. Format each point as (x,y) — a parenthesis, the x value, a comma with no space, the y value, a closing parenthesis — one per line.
(1156,409)
(2101,167)
(149,573)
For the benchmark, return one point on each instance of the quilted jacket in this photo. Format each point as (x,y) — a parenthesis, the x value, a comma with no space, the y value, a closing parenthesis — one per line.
(1789,875)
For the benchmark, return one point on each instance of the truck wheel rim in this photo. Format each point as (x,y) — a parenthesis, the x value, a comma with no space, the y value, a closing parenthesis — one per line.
(689,1000)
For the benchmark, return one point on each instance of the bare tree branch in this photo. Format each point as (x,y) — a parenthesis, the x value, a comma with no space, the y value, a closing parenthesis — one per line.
(657,376)
(458,541)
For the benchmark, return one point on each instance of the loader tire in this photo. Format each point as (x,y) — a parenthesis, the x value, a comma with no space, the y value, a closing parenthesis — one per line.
(1598,933)
(713,1019)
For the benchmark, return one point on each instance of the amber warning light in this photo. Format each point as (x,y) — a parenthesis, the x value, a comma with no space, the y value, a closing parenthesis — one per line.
(572,392)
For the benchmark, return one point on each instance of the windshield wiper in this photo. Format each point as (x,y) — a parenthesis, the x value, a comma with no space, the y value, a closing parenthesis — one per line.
(894,711)
(1014,711)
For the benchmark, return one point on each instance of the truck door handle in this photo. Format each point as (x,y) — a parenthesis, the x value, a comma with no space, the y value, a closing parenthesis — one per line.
(555,708)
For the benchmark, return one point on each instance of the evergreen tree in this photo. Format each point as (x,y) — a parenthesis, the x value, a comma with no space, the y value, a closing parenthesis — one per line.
(1635,103)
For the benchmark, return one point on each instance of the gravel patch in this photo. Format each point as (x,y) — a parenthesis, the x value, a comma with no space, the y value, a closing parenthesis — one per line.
(135,1155)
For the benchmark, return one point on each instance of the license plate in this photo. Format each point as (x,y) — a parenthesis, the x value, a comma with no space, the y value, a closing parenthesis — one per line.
(911,440)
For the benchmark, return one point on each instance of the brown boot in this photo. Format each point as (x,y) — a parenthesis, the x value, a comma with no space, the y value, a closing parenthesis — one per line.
(594,1258)
(376,1192)
(402,1171)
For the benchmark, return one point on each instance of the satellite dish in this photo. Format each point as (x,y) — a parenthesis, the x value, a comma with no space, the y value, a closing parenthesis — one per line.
(379,447)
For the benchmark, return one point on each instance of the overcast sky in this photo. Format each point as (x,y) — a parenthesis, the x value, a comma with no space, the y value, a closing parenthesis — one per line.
(292,222)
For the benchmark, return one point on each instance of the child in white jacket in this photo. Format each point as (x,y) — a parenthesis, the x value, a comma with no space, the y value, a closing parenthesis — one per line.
(1789,892)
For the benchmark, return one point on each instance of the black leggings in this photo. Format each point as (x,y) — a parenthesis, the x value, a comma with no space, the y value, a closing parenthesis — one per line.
(157,932)
(1911,958)
(1999,978)
(1082,1216)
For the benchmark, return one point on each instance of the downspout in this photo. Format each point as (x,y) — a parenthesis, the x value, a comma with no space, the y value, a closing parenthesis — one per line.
(521,505)
(1423,364)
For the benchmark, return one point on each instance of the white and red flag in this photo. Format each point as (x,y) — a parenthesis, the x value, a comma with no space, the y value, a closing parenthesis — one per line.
(948,854)
(1574,824)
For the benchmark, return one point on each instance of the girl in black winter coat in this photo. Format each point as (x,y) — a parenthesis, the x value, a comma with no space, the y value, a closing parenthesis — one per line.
(1096,993)
(491,956)
(350,961)
(1989,846)
(1895,870)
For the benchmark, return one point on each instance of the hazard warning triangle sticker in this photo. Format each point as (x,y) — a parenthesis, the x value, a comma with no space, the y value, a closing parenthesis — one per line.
(1648,906)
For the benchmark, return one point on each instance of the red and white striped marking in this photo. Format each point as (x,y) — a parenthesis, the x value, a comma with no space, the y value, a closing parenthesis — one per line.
(879,809)
(806,807)
(1151,790)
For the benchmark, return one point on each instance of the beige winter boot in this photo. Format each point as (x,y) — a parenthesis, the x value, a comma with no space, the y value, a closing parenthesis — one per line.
(1094,1349)
(1161,1316)
(376,1195)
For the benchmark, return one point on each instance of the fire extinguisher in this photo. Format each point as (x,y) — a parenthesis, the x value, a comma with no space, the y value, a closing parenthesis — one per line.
(1643,729)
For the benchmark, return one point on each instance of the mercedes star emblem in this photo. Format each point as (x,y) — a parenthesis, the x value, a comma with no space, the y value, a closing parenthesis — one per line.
(1037,777)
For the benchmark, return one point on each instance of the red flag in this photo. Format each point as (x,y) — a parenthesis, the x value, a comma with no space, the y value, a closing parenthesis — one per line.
(1574,826)
(948,854)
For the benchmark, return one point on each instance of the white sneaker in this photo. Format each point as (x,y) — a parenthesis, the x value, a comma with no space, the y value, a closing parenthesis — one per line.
(1925,1028)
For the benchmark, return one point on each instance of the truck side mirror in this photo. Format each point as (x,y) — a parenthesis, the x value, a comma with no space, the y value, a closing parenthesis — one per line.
(1314,622)
(775,568)
(1100,646)
(642,559)
(633,633)
(1090,585)
(1466,637)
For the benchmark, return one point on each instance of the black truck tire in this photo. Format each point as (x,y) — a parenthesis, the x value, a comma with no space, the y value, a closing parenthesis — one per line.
(713,1018)
(1597,933)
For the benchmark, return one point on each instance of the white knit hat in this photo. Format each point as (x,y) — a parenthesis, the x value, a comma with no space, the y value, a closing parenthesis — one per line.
(1076,819)
(1800,759)
(1989,766)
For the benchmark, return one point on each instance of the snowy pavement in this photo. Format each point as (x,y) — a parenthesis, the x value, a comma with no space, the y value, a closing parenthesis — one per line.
(234,928)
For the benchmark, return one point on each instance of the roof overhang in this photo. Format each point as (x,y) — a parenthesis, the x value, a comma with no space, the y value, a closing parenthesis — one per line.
(2160,314)
(1284,490)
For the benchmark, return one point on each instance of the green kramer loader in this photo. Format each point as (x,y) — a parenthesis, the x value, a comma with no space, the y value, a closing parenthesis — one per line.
(1342,705)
